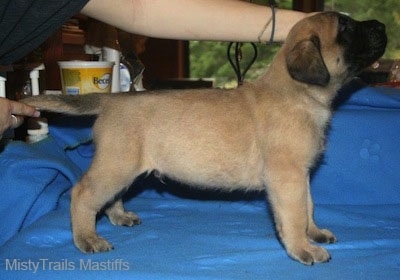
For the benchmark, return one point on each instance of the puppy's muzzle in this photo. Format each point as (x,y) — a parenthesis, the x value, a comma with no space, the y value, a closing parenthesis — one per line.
(369,45)
(376,34)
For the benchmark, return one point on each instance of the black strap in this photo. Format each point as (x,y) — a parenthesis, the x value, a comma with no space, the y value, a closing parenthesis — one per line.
(273,5)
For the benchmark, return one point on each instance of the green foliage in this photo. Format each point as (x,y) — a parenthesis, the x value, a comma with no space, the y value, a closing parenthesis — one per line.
(283,4)
(209,59)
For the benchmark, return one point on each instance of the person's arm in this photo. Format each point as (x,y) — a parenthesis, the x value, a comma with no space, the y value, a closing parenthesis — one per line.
(222,20)
(12,113)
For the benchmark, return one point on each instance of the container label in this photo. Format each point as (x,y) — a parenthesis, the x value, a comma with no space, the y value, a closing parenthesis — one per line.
(103,82)
(72,90)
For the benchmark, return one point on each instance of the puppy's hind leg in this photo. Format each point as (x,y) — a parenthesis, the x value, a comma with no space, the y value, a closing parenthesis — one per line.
(110,173)
(119,217)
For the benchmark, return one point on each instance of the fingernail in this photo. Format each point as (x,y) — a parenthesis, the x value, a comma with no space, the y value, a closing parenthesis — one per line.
(36,114)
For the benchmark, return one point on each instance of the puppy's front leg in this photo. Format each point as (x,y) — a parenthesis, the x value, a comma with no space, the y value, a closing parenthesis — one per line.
(313,232)
(288,193)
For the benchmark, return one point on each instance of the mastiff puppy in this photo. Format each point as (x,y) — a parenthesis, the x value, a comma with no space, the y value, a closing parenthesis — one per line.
(265,135)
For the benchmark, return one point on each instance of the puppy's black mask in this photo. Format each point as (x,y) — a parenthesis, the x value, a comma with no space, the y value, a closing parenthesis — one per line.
(364,42)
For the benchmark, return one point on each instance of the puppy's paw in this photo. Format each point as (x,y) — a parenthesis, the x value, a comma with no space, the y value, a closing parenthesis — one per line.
(92,244)
(119,218)
(309,254)
(321,236)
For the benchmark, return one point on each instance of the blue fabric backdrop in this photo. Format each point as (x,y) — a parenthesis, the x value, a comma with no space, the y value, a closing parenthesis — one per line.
(200,235)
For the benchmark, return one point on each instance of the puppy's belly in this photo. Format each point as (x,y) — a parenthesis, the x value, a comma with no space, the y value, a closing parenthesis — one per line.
(210,166)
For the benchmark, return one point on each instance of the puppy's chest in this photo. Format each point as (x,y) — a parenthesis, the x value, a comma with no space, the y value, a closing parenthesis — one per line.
(321,118)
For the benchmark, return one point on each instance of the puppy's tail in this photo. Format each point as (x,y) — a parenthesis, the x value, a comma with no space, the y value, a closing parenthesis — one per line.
(85,104)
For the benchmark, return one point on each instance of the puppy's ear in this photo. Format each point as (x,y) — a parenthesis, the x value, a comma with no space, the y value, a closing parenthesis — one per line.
(305,63)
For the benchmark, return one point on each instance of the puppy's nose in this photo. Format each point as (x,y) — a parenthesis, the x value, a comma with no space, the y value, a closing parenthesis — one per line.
(376,25)
(380,26)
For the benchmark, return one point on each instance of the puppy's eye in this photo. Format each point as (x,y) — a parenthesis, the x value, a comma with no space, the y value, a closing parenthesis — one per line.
(343,23)
(342,28)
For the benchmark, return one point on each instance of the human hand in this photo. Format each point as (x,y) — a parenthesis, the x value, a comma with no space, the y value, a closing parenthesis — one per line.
(12,113)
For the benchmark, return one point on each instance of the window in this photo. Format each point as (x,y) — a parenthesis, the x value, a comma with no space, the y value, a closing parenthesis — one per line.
(209,59)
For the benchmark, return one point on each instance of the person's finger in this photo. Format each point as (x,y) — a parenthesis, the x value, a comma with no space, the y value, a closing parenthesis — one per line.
(21,109)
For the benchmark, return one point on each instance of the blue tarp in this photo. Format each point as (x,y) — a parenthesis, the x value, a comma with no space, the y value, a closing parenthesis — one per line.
(188,234)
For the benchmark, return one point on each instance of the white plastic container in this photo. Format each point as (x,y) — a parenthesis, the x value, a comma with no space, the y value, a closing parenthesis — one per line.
(38,129)
(113,55)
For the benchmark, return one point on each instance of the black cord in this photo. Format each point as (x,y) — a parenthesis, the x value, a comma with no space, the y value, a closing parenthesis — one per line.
(235,63)
(273,5)
(238,49)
